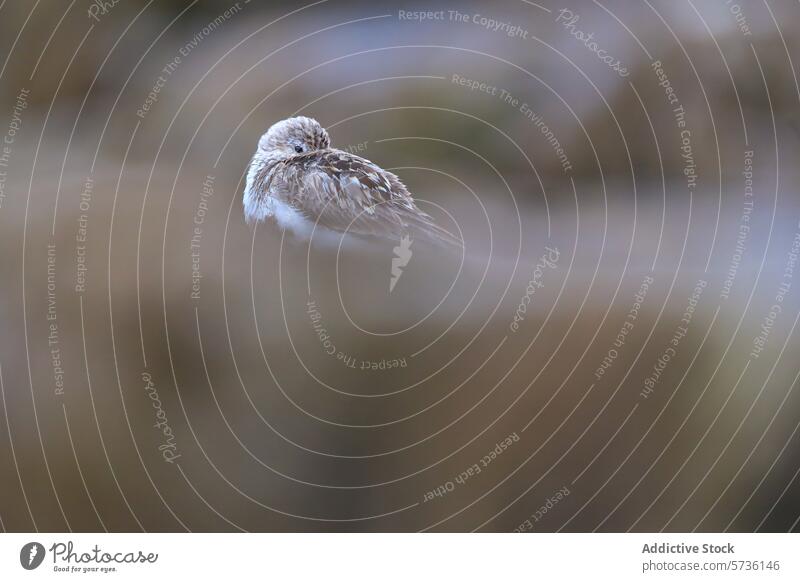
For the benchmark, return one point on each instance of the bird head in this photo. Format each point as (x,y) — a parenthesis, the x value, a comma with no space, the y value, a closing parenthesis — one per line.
(292,137)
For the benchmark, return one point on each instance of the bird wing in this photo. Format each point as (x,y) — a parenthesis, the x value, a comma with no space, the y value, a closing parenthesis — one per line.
(345,192)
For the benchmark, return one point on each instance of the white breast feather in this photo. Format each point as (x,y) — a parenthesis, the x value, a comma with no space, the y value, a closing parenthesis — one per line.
(268,207)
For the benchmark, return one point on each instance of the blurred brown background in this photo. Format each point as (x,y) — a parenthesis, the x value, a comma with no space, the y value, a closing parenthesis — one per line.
(161,368)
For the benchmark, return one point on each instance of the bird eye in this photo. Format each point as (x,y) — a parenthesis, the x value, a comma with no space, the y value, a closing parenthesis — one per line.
(298,149)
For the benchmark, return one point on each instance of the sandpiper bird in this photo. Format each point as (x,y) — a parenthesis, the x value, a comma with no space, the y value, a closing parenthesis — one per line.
(311,189)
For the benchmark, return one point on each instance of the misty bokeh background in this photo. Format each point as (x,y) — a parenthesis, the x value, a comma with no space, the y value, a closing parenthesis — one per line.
(616,349)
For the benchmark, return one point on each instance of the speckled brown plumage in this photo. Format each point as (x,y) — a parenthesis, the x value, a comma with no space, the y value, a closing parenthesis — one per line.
(330,188)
